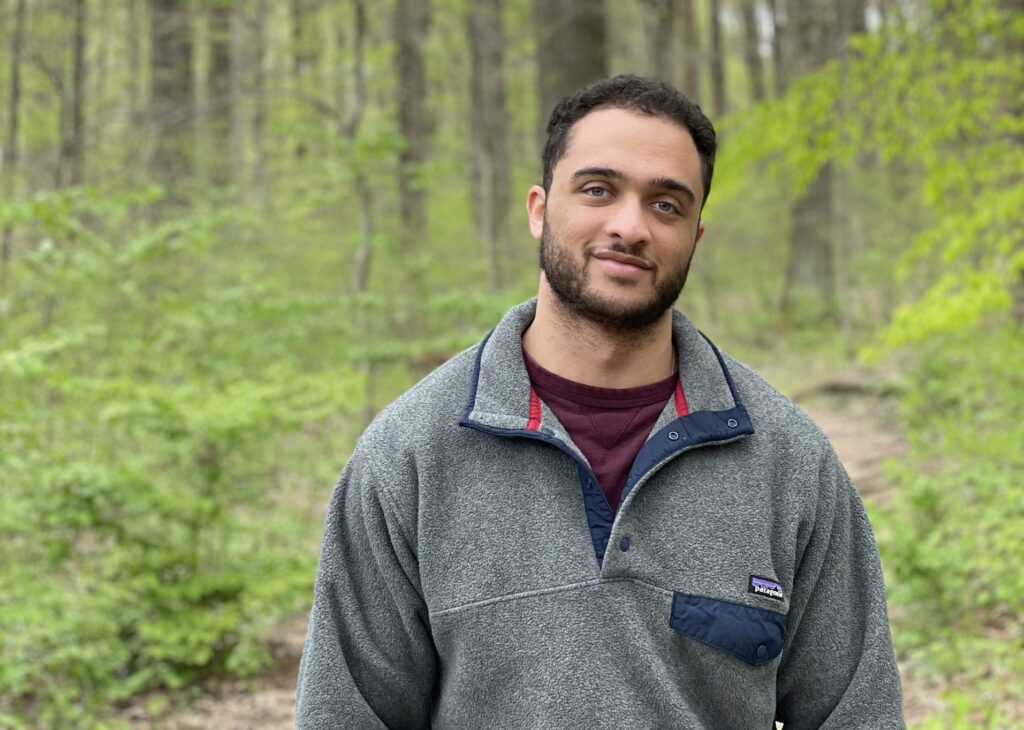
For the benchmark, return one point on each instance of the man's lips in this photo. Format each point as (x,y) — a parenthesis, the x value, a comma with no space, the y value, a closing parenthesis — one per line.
(615,257)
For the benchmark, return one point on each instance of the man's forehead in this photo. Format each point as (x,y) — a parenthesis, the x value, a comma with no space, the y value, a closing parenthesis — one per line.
(616,130)
(615,135)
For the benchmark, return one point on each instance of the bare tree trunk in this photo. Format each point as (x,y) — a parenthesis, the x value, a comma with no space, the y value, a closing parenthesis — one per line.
(411,25)
(259,109)
(302,54)
(171,90)
(236,93)
(490,149)
(350,131)
(134,61)
(572,49)
(810,286)
(855,17)
(74,138)
(752,50)
(691,49)
(660,34)
(778,10)
(10,151)
(217,119)
(718,90)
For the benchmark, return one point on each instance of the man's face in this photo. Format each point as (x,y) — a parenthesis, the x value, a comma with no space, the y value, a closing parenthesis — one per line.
(621,221)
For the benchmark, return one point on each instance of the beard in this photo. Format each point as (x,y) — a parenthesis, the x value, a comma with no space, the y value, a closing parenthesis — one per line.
(569,281)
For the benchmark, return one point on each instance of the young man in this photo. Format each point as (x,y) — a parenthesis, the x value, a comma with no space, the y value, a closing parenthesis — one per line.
(593,518)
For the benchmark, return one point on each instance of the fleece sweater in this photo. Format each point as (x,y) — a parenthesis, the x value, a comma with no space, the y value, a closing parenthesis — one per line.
(472,574)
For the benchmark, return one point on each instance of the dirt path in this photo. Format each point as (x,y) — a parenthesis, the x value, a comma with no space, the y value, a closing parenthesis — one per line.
(863,429)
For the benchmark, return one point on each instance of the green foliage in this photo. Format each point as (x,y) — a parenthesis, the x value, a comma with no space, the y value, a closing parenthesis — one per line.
(152,395)
(952,536)
(923,123)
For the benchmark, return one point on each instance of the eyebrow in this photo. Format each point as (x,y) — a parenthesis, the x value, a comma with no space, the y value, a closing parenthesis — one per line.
(666,183)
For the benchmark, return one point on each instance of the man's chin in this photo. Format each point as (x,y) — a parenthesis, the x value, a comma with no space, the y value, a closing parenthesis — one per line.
(620,313)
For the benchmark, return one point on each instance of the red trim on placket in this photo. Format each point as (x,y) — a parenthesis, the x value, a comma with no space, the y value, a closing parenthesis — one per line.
(534,423)
(681,408)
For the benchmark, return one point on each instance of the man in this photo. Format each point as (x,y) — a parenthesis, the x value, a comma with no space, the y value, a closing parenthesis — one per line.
(593,518)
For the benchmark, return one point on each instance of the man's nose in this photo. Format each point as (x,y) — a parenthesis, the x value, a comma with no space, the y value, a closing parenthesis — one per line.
(628,222)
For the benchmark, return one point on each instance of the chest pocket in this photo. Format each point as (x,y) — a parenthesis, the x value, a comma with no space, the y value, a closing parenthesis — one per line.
(754,635)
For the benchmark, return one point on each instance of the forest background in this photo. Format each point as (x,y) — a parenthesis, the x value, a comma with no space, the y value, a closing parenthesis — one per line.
(232,231)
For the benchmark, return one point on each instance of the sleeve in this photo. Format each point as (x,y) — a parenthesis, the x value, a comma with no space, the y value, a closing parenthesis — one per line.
(839,669)
(369,658)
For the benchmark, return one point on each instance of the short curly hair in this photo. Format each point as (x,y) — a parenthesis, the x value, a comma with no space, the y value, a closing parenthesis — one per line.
(636,94)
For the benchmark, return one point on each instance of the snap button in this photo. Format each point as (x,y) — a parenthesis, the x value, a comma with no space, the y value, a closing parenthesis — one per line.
(761,651)
(732,423)
(624,544)
(673,436)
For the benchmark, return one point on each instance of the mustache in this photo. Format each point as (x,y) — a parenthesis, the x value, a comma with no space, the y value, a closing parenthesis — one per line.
(620,247)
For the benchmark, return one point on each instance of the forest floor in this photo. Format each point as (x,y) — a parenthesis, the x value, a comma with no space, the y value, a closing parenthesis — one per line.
(863,428)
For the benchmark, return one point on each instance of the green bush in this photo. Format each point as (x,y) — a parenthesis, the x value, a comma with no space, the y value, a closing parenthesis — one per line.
(149,422)
(952,536)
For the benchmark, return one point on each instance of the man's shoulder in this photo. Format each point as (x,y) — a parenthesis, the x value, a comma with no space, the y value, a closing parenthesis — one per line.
(428,408)
(772,413)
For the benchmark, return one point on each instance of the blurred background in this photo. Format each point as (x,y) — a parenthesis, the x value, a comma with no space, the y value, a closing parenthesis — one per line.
(230,232)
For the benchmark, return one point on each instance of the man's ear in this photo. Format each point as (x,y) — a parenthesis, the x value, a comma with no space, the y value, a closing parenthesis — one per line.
(536,200)
(700,232)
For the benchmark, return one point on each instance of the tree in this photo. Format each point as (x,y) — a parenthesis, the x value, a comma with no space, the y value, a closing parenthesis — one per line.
(776,9)
(489,118)
(410,27)
(718,88)
(691,54)
(809,291)
(171,90)
(74,139)
(10,151)
(660,33)
(257,59)
(752,49)
(222,93)
(572,49)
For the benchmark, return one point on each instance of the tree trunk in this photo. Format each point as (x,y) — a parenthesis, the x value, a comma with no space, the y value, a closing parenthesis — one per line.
(134,61)
(259,104)
(302,55)
(660,35)
(718,90)
(219,94)
(171,91)
(752,50)
(10,156)
(74,140)
(411,25)
(490,144)
(572,50)
(691,54)
(777,8)
(350,131)
(810,288)
(236,94)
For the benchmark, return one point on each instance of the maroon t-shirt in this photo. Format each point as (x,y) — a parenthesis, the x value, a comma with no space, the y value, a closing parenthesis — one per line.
(609,425)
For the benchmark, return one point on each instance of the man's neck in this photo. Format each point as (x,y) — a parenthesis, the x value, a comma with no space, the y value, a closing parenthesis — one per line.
(586,352)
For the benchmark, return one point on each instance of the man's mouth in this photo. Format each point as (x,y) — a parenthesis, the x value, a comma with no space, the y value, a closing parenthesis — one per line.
(622,264)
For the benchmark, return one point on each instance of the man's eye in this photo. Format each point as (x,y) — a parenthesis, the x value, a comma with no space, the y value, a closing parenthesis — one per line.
(596,192)
(666,207)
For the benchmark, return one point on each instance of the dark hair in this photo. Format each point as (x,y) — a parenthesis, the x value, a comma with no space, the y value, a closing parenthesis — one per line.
(640,95)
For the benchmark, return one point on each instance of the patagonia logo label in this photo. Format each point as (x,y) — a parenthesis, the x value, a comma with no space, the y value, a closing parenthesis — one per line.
(765,587)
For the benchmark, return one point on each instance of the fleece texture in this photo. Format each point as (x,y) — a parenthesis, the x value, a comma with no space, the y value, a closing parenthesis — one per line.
(473,576)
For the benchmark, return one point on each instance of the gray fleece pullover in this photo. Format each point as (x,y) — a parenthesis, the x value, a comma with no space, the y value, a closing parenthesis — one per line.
(472,575)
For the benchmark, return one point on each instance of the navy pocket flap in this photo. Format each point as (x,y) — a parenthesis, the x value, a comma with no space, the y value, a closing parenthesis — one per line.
(748,633)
